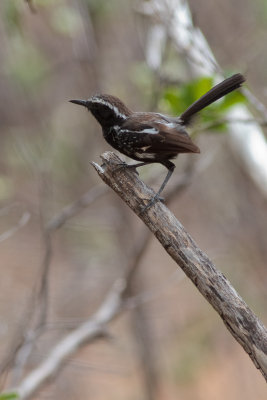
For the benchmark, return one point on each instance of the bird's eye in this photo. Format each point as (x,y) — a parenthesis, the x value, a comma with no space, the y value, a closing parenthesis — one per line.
(104,114)
(107,112)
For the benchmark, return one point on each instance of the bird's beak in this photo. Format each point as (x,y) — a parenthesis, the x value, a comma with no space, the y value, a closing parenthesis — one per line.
(79,102)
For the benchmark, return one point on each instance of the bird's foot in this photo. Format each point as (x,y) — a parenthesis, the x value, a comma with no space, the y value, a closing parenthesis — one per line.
(123,165)
(152,201)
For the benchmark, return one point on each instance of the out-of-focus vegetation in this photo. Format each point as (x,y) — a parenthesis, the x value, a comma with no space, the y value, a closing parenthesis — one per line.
(71,49)
(8,396)
(176,100)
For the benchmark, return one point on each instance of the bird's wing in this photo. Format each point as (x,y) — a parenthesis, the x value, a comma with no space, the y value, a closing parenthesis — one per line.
(157,135)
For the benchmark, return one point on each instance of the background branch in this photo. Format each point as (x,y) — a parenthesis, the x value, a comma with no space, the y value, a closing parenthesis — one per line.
(96,326)
(173,19)
(22,221)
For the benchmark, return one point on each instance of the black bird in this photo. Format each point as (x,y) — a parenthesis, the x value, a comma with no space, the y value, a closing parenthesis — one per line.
(151,137)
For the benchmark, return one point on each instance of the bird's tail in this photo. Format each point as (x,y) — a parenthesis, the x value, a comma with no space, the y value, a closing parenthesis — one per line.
(218,91)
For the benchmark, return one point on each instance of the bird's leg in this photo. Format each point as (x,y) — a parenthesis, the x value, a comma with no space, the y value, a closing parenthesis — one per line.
(123,165)
(170,166)
(136,165)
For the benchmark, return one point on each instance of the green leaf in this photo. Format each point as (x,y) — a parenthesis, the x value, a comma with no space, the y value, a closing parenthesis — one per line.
(232,99)
(9,396)
(12,15)
(200,86)
(176,100)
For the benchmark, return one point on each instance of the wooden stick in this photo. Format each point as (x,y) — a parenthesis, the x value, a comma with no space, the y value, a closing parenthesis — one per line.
(242,323)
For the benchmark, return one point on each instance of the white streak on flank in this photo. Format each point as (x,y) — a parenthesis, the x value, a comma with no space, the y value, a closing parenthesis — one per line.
(150,131)
(145,155)
(145,148)
(106,103)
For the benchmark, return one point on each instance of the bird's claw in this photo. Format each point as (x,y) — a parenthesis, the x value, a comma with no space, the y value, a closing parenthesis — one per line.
(152,201)
(123,165)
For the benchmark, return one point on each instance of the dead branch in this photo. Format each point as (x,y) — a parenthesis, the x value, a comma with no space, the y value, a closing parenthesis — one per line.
(36,315)
(74,208)
(119,298)
(242,323)
(22,221)
(93,328)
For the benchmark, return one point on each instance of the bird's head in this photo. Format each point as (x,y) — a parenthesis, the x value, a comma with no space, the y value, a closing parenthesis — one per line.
(107,109)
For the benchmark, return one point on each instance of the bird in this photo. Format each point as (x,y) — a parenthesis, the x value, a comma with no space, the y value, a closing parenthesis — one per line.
(152,137)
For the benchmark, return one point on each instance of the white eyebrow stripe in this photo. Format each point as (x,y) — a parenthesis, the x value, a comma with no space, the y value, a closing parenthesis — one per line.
(106,103)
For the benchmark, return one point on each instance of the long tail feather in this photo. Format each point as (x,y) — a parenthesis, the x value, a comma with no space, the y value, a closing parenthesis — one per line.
(218,91)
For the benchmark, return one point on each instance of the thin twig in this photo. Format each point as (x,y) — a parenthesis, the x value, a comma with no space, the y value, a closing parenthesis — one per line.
(94,328)
(36,322)
(22,222)
(74,208)
(35,316)
(222,121)
(31,6)
(39,376)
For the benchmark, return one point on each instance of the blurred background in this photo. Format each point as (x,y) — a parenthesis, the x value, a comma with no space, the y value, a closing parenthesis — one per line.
(173,345)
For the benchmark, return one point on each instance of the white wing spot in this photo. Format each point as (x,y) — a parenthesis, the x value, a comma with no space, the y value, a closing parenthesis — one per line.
(171,125)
